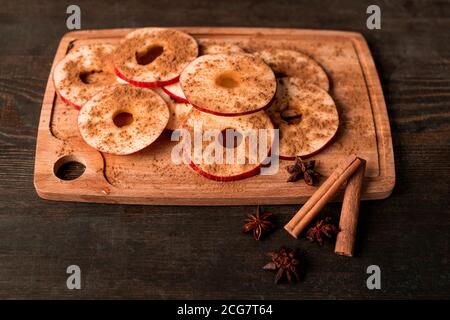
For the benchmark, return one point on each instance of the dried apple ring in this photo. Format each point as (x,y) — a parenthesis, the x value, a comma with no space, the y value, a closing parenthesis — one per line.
(306,116)
(247,131)
(83,72)
(154,57)
(228,85)
(123,119)
(289,63)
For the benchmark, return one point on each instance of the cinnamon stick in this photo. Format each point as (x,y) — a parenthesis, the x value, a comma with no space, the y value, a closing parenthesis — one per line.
(322,196)
(345,240)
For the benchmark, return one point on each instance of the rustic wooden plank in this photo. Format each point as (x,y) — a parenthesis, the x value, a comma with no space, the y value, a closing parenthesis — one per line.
(133,251)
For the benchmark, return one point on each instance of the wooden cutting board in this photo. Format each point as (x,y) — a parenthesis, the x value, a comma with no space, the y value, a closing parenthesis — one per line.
(149,177)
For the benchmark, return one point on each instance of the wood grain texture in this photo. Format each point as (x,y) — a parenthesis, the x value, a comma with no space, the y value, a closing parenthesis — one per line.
(151,177)
(166,252)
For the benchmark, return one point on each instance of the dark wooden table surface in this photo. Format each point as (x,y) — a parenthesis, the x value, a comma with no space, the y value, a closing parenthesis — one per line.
(166,252)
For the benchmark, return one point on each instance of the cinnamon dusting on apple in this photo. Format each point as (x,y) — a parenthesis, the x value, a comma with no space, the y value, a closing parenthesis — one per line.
(147,116)
(226,84)
(217,47)
(290,63)
(83,72)
(154,54)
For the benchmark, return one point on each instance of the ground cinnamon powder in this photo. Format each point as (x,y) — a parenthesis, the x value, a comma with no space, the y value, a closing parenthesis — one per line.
(96,77)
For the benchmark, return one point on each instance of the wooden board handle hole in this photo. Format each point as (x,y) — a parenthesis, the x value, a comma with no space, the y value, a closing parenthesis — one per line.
(68,168)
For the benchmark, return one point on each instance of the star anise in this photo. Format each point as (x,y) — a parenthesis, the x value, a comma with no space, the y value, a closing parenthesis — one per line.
(285,263)
(303,170)
(259,223)
(322,228)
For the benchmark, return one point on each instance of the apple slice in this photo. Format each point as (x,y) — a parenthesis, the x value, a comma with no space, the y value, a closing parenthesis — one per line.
(83,72)
(209,164)
(120,80)
(228,85)
(306,116)
(154,57)
(174,90)
(123,119)
(205,47)
(178,111)
(216,47)
(289,63)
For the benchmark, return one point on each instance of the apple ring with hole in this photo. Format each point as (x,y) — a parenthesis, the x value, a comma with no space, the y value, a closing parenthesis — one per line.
(154,57)
(123,119)
(244,161)
(178,111)
(205,47)
(83,72)
(215,47)
(306,116)
(228,85)
(290,63)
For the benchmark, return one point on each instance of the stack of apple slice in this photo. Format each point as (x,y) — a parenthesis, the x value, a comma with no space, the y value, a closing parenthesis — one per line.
(302,109)
(119,115)
(154,57)
(123,119)
(155,80)
(228,93)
